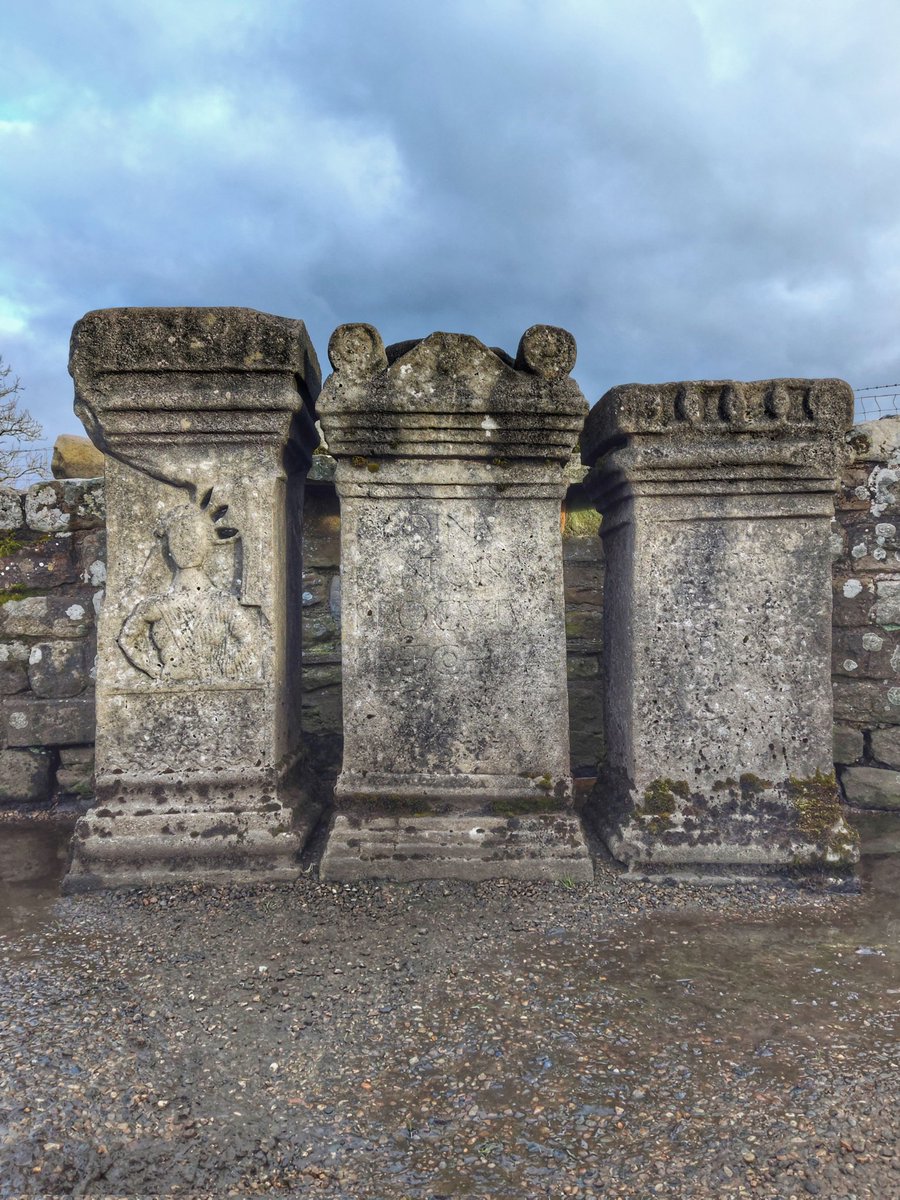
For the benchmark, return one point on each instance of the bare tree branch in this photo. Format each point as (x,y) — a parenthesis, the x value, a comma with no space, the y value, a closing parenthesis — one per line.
(19,431)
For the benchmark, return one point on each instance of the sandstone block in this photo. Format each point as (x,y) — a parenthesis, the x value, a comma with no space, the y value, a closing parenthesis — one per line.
(29,722)
(875,441)
(13,667)
(871,787)
(58,505)
(46,562)
(12,512)
(24,776)
(867,652)
(76,457)
(879,832)
(853,599)
(866,702)
(848,744)
(57,669)
(886,746)
(69,616)
(77,756)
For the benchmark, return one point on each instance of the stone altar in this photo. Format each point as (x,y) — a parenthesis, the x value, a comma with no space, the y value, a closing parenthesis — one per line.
(450,471)
(205,417)
(716,500)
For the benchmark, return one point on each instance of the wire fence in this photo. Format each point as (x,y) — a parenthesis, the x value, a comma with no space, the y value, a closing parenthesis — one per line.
(879,400)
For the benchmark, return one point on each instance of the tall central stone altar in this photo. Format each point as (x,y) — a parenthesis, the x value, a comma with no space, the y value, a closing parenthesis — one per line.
(450,474)
(717,499)
(205,416)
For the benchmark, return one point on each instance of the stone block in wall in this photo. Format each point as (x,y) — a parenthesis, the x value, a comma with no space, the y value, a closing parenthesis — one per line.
(853,599)
(853,493)
(848,744)
(315,589)
(321,633)
(866,652)
(54,616)
(12,513)
(321,709)
(586,743)
(879,832)
(321,529)
(583,666)
(56,505)
(584,625)
(876,441)
(886,746)
(29,722)
(13,667)
(57,669)
(46,562)
(89,552)
(581,550)
(24,776)
(887,602)
(75,774)
(866,702)
(871,787)
(583,582)
(871,542)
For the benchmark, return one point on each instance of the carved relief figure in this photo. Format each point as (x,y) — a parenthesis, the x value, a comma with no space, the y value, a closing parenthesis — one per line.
(196,631)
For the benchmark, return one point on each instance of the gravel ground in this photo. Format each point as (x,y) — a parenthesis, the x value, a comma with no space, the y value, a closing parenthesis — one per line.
(450,1040)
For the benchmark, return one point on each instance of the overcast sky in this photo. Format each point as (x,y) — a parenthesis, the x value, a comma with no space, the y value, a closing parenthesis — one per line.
(695,188)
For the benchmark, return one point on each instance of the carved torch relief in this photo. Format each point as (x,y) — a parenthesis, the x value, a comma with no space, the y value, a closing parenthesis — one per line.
(197,630)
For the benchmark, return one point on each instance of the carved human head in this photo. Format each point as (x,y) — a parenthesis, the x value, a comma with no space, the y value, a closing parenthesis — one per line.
(188,534)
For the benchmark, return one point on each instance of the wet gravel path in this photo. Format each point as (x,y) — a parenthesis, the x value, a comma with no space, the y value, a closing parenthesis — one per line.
(450,1040)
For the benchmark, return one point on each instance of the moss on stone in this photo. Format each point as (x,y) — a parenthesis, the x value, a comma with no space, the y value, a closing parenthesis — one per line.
(753,785)
(724,785)
(18,592)
(10,544)
(581,523)
(816,801)
(660,803)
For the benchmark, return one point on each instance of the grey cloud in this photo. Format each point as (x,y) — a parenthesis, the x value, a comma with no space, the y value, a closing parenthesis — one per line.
(692,190)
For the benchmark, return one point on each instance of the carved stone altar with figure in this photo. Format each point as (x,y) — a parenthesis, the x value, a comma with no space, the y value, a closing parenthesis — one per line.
(450,473)
(205,416)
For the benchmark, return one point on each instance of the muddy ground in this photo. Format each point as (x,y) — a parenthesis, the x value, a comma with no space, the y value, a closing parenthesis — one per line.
(449,1040)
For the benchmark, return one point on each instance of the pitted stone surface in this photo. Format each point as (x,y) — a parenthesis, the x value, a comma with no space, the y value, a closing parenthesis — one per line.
(717,502)
(450,470)
(472,848)
(201,415)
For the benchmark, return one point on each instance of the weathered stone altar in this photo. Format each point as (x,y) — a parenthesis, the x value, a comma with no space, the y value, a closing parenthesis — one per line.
(450,473)
(716,501)
(204,415)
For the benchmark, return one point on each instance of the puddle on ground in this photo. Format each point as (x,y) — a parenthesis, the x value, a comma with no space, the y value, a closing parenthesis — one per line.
(691,1011)
(534,1057)
(33,859)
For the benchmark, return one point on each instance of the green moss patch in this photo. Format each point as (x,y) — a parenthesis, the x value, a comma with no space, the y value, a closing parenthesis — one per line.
(583,522)
(660,803)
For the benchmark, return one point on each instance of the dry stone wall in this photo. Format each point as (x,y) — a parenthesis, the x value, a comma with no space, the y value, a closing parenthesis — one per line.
(866,638)
(52,576)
